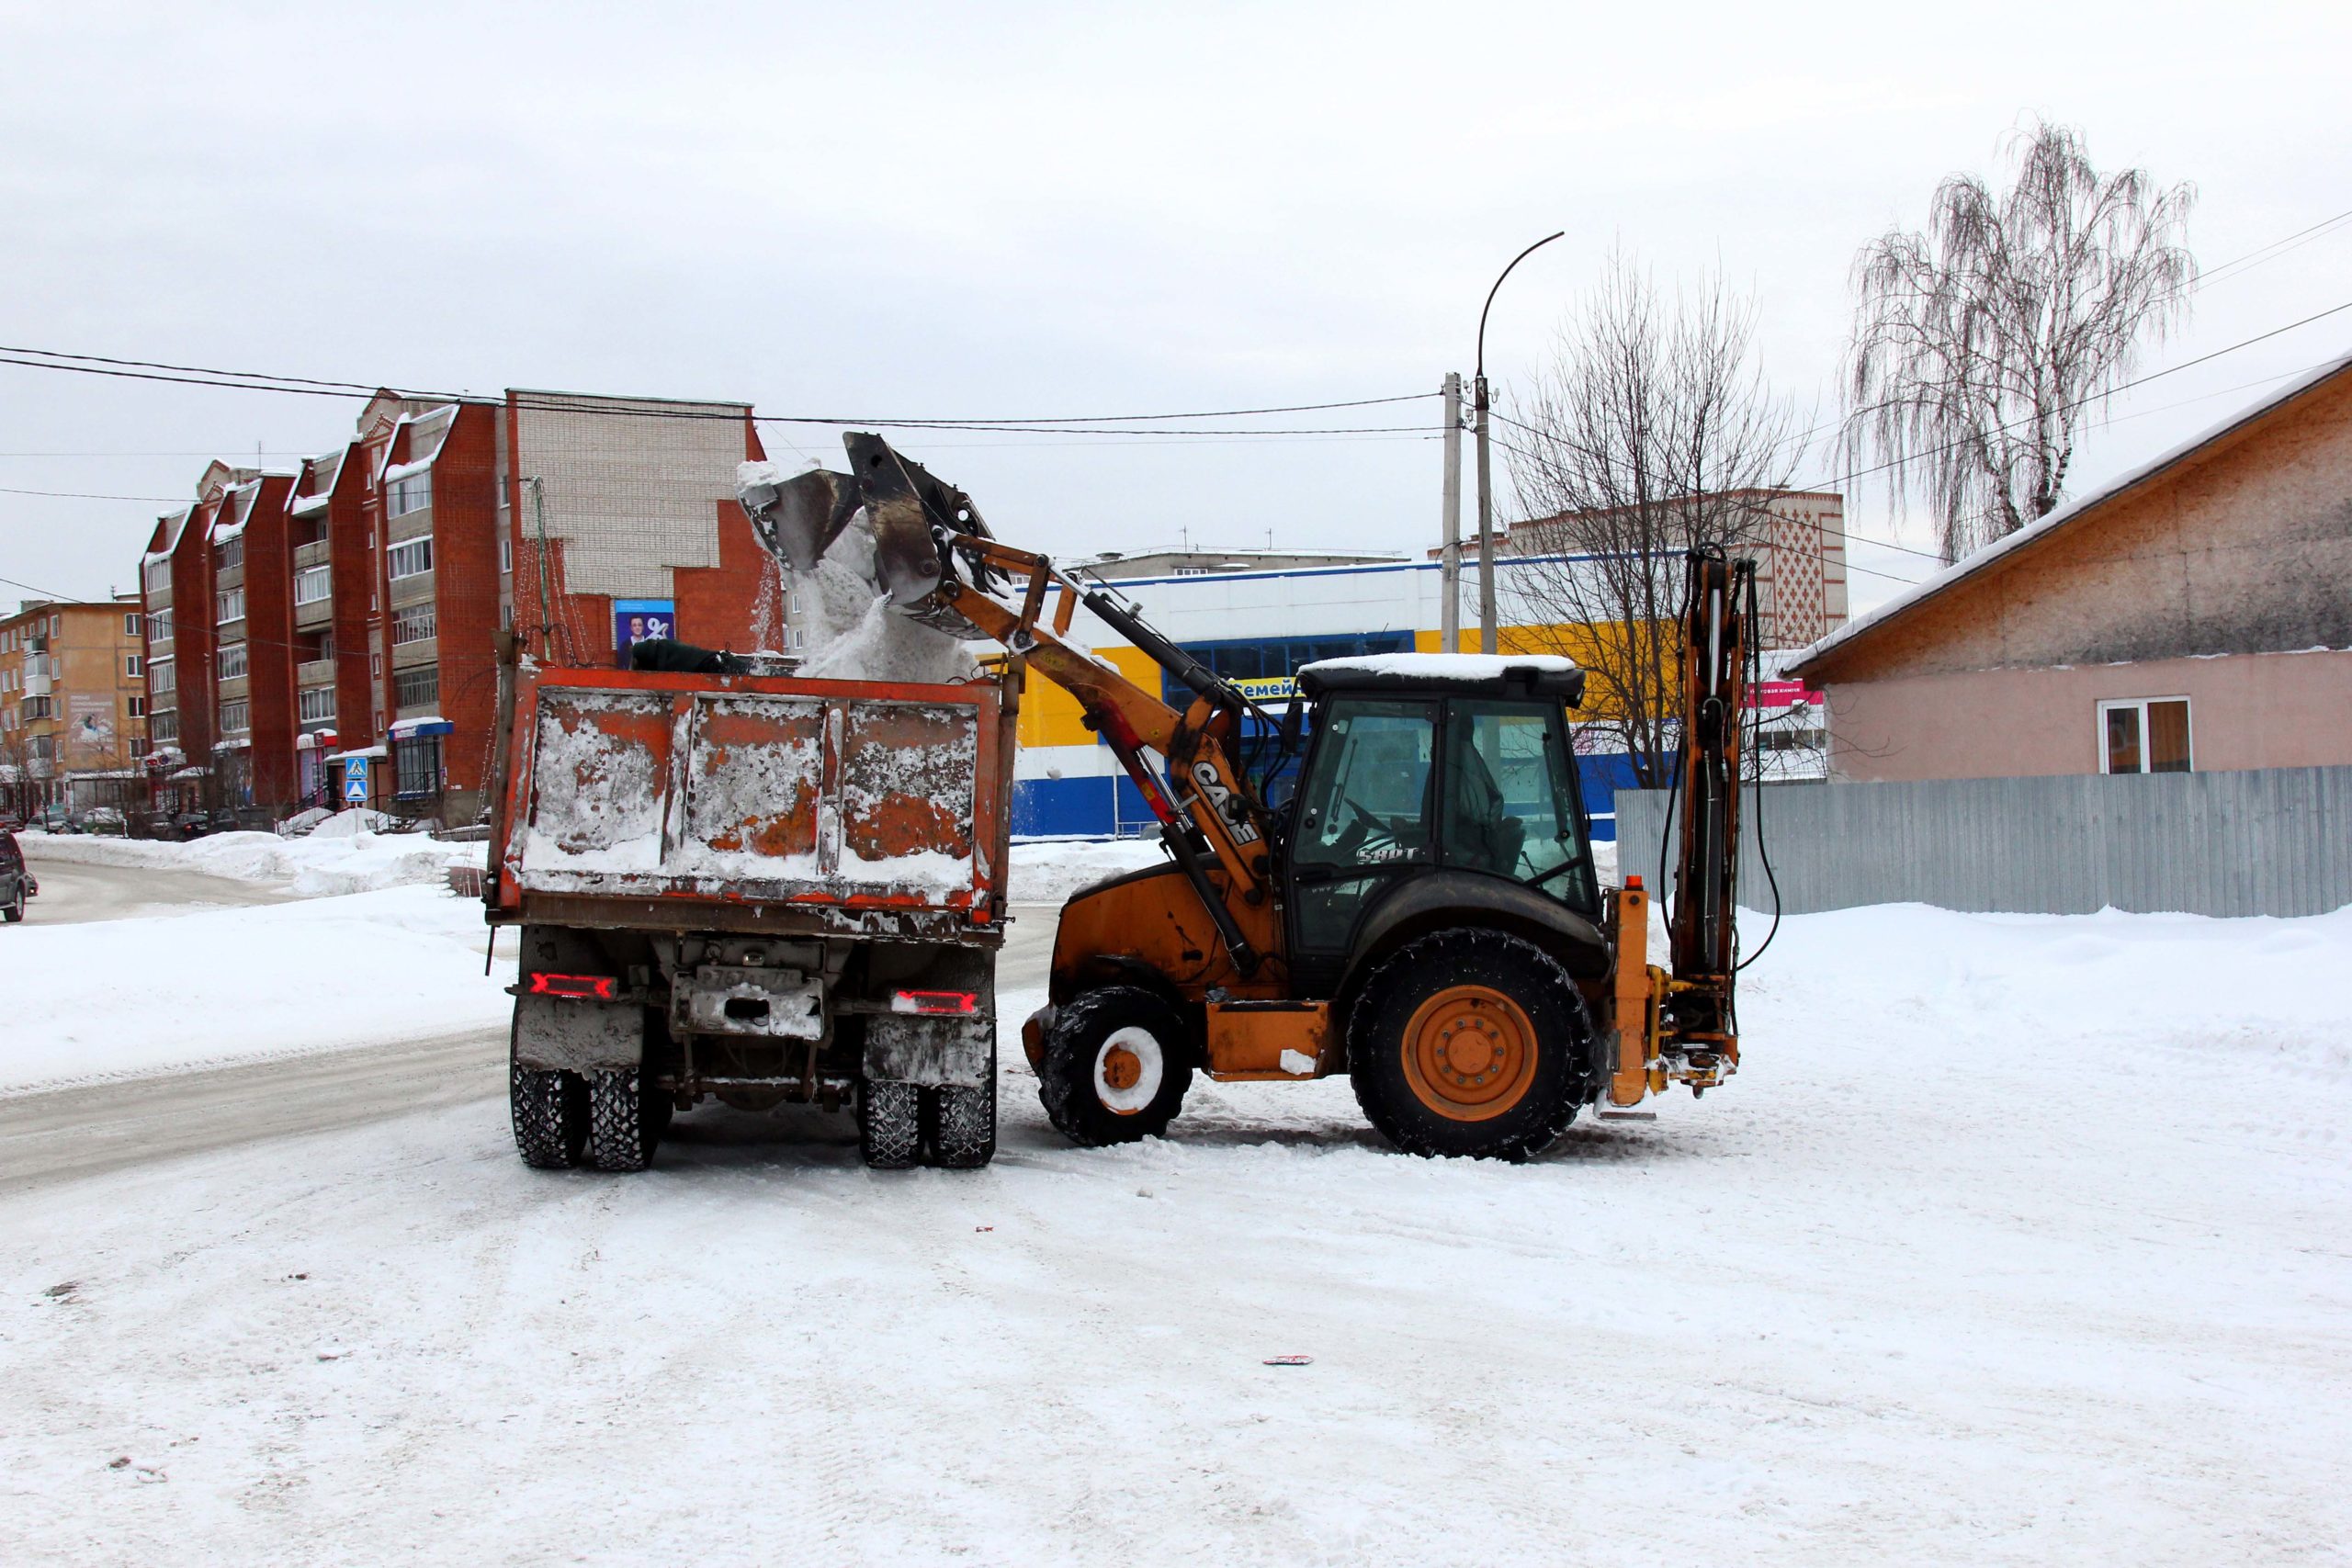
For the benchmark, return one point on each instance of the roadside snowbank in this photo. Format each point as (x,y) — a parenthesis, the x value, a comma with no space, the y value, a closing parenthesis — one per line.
(173,992)
(314,866)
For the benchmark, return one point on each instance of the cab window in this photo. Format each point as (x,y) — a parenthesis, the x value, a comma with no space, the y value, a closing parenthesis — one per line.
(1511,805)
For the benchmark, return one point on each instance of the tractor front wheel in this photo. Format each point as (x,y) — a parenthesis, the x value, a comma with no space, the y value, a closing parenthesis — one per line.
(1116,1066)
(1469,1043)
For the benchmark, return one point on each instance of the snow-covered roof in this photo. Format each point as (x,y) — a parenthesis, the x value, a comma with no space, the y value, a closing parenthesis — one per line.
(428,433)
(1539,674)
(2041,528)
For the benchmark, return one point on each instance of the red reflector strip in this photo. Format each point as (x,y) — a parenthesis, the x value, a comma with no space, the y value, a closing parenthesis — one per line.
(959,1003)
(583,987)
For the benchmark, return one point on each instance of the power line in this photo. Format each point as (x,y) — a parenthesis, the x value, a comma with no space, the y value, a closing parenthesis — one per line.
(85,495)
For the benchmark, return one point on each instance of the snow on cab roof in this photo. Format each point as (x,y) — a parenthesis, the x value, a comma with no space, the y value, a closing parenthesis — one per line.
(1541,674)
(2042,527)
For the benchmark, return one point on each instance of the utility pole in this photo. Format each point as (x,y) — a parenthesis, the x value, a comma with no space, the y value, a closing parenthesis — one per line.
(1485,472)
(1450,570)
(1485,522)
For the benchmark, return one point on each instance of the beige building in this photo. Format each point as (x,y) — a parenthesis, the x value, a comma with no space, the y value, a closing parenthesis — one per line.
(2194,614)
(72,706)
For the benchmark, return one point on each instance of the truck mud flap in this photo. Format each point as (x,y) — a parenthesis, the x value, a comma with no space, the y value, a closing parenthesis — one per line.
(578,1036)
(932,1052)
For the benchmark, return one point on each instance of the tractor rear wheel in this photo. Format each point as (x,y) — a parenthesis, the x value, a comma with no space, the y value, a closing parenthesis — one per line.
(1469,1043)
(1115,1065)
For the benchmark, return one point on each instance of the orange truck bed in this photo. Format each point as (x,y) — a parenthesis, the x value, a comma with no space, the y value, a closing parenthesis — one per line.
(743,802)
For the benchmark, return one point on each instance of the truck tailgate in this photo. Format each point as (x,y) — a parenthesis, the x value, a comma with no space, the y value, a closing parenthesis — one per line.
(754,790)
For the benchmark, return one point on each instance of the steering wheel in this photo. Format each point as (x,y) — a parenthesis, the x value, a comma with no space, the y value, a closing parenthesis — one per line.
(1364,831)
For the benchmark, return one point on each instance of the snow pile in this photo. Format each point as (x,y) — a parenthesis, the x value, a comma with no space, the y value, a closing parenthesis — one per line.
(1047,871)
(167,992)
(852,633)
(312,866)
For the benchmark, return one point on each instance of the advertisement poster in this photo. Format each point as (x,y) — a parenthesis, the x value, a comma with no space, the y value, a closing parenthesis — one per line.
(637,620)
(89,727)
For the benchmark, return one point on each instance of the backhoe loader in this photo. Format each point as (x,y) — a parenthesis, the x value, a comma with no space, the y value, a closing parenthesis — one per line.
(1421,914)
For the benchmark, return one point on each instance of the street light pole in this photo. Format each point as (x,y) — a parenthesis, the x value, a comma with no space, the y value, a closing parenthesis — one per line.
(1487,635)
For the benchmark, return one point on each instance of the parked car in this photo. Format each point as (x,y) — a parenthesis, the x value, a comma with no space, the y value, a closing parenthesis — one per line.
(17,883)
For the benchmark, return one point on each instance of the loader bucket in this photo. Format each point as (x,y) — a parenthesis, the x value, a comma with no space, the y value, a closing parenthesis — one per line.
(799,519)
(912,512)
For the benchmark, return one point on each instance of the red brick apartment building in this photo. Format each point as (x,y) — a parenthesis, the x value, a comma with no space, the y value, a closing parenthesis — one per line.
(330,636)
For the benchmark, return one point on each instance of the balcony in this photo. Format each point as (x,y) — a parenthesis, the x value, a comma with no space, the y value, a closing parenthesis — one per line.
(315,672)
(315,553)
(421,650)
(314,594)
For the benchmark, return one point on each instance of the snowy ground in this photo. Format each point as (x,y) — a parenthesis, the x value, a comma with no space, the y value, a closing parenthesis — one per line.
(2018,1240)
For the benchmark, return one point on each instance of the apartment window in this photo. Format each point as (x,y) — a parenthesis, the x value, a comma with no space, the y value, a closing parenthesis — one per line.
(317,703)
(138,707)
(2144,735)
(228,552)
(132,624)
(412,557)
(132,665)
(413,493)
(43,748)
(163,676)
(414,623)
(39,707)
(505,554)
(159,627)
(230,606)
(231,663)
(412,688)
(165,728)
(313,583)
(236,714)
(158,576)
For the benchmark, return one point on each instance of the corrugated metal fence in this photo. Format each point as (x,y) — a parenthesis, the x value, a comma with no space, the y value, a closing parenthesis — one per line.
(2268,842)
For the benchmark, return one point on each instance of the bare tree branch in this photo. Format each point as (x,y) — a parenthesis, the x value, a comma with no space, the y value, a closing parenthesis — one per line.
(1979,346)
(1650,432)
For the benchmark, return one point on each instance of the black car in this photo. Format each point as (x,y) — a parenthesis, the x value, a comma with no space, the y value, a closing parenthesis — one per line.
(17,882)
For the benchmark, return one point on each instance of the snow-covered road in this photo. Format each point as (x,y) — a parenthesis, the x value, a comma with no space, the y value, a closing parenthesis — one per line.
(2017,1241)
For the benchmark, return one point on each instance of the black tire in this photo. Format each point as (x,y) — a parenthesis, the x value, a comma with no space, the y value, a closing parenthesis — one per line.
(14,910)
(1076,1076)
(623,1122)
(959,1124)
(551,1115)
(1519,1073)
(889,1124)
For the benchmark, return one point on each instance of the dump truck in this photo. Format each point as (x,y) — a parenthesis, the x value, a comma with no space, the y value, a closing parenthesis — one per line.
(1422,915)
(734,884)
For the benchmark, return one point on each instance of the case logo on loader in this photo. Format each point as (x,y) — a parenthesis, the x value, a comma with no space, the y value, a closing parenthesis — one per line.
(1221,800)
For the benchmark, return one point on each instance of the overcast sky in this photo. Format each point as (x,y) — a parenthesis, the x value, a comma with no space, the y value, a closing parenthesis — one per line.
(881,211)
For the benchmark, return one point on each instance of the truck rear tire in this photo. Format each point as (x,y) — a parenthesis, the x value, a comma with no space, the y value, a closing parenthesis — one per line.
(1472,1044)
(889,1124)
(959,1124)
(624,1121)
(1115,1065)
(551,1114)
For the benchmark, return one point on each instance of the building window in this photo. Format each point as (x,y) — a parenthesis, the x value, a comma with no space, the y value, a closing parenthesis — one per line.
(39,707)
(412,557)
(236,714)
(229,604)
(505,554)
(317,703)
(2144,735)
(416,767)
(414,688)
(163,676)
(139,707)
(131,624)
(131,665)
(228,552)
(413,493)
(165,728)
(231,662)
(412,624)
(159,628)
(313,583)
(158,576)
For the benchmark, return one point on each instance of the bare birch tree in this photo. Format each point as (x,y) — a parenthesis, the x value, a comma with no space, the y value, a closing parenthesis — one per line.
(1980,345)
(1649,432)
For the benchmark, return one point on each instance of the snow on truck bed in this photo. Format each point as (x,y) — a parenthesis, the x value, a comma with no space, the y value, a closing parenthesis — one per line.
(2019,1240)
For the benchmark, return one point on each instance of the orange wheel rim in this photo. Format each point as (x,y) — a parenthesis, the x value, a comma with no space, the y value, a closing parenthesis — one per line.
(1121,1068)
(1470,1052)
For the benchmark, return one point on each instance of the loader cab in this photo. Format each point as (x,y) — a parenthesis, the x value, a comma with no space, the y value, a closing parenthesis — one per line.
(1427,765)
